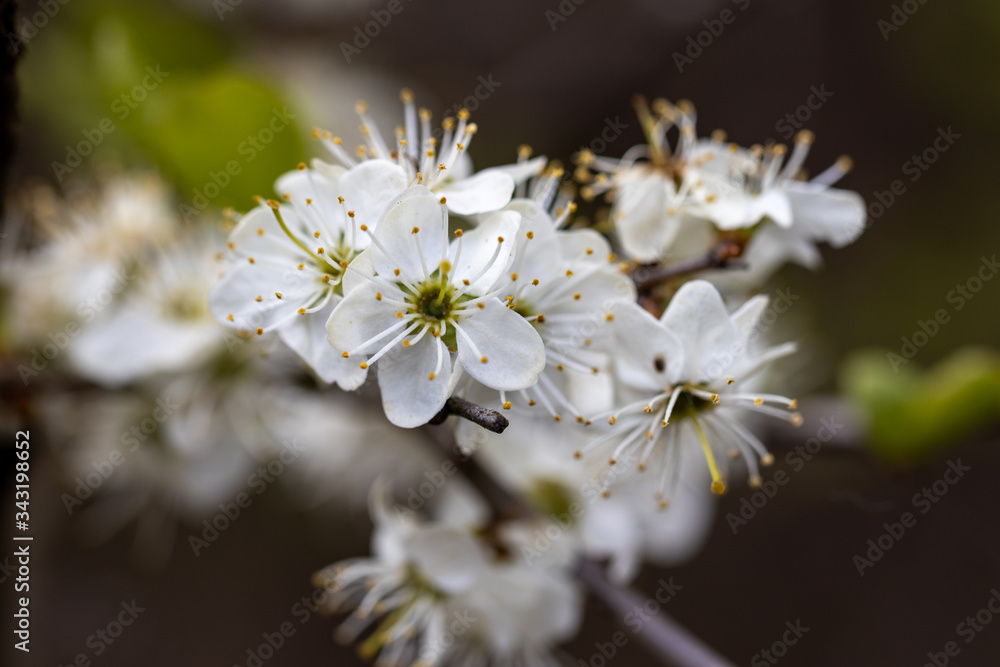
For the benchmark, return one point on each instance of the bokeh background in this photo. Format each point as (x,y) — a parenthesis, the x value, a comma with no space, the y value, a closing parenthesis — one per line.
(561,73)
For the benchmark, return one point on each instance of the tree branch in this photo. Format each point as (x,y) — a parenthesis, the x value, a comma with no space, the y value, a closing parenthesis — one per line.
(719,257)
(489,419)
(661,634)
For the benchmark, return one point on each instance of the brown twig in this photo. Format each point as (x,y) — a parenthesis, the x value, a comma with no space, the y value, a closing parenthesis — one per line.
(489,419)
(719,257)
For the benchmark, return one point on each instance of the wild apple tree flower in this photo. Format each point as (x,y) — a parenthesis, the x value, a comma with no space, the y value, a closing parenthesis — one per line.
(796,215)
(412,299)
(289,258)
(438,160)
(563,282)
(684,377)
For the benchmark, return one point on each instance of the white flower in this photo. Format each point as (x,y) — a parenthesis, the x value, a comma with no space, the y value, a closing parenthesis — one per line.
(290,258)
(409,586)
(414,298)
(656,200)
(93,237)
(161,324)
(565,285)
(437,161)
(682,377)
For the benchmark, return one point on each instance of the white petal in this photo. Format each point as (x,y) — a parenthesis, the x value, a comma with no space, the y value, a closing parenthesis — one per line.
(236,294)
(306,335)
(643,347)
(370,187)
(746,318)
(478,246)
(359,318)
(641,215)
(522,171)
(448,557)
(513,349)
(258,235)
(416,208)
(835,216)
(409,397)
(489,190)
(711,343)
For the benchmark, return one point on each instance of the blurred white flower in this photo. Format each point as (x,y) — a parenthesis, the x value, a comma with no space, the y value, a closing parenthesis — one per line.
(412,282)
(160,325)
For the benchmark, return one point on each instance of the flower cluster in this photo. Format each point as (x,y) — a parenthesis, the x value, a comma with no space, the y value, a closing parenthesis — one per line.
(601,369)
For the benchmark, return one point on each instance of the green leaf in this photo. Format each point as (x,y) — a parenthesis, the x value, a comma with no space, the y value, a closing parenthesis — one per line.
(913,413)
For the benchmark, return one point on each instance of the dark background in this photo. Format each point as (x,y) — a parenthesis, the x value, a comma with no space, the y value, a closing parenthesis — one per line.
(558,87)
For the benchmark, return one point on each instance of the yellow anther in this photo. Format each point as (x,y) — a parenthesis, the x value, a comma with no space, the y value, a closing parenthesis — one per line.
(260,331)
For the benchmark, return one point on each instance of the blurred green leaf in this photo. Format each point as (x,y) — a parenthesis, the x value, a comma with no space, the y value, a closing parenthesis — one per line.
(223,137)
(914,412)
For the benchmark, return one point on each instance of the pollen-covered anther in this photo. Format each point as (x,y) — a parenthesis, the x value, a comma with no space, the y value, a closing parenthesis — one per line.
(378,296)
(260,232)
(326,277)
(758,401)
(612,461)
(363,365)
(363,228)
(415,230)
(395,272)
(576,297)
(406,343)
(558,418)
(609,317)
(258,298)
(343,263)
(506,405)
(606,493)
(540,318)
(458,232)
(277,294)
(344,355)
(718,487)
(251,260)
(793,405)
(260,332)
(648,409)
(320,250)
(715,398)
(431,376)
(730,380)
(484,359)
(612,420)
(499,239)
(229,317)
(534,281)
(796,420)
(340,200)
(317,234)
(578,454)
(641,467)
(755,481)
(569,273)
(767,460)
(301,311)
(513,276)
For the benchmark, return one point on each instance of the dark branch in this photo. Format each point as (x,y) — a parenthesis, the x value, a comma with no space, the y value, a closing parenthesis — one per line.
(719,257)
(491,420)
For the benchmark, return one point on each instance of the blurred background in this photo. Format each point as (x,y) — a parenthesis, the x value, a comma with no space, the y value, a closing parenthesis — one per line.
(908,90)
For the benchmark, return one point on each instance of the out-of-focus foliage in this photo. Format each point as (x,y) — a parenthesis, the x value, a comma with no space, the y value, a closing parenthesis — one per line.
(915,412)
(182,104)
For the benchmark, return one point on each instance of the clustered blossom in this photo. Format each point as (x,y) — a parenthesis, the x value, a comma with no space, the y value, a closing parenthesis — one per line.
(399,263)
